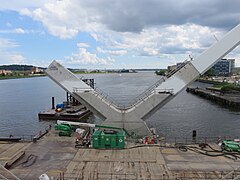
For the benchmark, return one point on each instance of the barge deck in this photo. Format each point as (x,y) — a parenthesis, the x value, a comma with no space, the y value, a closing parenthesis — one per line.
(75,113)
(58,158)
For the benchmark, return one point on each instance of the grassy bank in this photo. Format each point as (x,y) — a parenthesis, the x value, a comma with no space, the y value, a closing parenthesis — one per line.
(211,82)
(221,86)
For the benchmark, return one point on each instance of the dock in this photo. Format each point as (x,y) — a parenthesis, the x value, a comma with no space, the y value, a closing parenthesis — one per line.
(75,113)
(59,159)
(230,100)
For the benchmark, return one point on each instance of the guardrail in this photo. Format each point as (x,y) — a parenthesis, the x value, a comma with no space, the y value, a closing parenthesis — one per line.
(146,93)
(149,91)
(166,140)
(101,94)
(112,102)
(183,64)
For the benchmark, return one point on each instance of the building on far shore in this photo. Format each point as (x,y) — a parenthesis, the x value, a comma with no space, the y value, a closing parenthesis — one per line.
(223,67)
(5,72)
(36,70)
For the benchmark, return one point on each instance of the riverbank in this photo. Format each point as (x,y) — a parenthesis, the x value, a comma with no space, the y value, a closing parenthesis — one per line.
(20,77)
(227,99)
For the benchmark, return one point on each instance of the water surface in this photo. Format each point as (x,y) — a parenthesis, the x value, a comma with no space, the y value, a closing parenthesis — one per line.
(22,99)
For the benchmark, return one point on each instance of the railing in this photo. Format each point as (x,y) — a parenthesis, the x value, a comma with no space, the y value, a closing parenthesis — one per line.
(101,94)
(27,138)
(108,98)
(146,93)
(76,89)
(32,138)
(183,64)
(111,101)
(166,140)
(140,98)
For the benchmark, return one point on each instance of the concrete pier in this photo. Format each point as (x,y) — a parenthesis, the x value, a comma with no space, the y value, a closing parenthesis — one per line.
(230,100)
(58,158)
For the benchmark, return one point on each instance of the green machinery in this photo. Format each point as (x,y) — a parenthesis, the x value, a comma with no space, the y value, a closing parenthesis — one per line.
(104,137)
(65,129)
(107,137)
(230,145)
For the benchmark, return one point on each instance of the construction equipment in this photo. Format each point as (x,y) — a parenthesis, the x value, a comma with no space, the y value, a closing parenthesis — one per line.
(104,137)
(229,145)
(108,137)
(65,129)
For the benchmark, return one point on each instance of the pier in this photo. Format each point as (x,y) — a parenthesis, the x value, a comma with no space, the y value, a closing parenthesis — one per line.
(59,159)
(71,110)
(230,100)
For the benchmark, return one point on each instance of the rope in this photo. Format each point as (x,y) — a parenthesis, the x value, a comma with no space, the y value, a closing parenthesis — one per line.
(31,159)
(212,152)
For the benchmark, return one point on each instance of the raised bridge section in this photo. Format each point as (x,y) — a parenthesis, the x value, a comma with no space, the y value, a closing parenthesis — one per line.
(132,117)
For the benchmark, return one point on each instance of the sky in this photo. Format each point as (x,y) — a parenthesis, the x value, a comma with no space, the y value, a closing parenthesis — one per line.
(112,34)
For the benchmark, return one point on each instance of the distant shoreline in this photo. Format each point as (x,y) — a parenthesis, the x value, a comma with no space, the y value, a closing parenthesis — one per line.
(20,77)
(43,75)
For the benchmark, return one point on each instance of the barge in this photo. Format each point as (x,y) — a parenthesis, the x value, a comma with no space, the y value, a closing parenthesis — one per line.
(75,113)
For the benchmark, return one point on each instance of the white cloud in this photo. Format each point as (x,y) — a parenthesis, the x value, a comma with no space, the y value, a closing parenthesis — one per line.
(235,54)
(95,36)
(112,52)
(162,40)
(20,31)
(25,12)
(16,58)
(141,28)
(17,5)
(123,27)
(82,45)
(84,57)
(7,43)
(11,58)
(64,19)
(128,16)
(7,56)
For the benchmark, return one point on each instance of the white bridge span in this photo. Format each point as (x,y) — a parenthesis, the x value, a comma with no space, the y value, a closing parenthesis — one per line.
(132,117)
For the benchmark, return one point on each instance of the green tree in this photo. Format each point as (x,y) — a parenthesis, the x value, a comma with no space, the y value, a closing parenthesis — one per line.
(161,72)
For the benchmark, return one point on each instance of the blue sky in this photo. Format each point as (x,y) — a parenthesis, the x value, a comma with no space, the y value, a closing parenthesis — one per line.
(107,34)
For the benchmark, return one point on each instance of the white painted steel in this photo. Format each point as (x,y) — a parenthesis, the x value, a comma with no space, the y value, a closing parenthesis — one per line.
(131,118)
(217,51)
(203,62)
(76,123)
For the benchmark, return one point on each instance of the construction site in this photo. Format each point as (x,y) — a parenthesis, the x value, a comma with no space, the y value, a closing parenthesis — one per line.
(58,158)
(123,146)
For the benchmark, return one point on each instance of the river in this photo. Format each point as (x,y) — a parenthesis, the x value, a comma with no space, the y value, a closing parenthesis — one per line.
(22,99)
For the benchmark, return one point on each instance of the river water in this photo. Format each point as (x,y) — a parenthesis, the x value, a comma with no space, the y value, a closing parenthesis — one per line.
(22,99)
